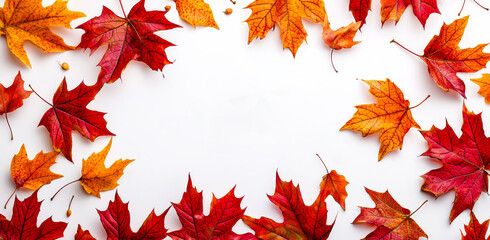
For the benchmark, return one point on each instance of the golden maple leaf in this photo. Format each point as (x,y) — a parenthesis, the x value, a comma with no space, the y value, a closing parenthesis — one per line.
(28,20)
(391,116)
(96,177)
(196,12)
(287,14)
(484,83)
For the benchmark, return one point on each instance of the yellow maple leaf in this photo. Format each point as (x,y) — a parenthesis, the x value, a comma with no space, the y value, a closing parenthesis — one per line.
(391,116)
(196,12)
(288,15)
(484,83)
(28,20)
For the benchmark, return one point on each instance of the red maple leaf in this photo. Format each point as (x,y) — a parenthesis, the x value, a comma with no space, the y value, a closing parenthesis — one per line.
(69,112)
(23,225)
(224,214)
(116,221)
(465,162)
(83,234)
(360,9)
(393,9)
(11,98)
(474,230)
(128,38)
(300,221)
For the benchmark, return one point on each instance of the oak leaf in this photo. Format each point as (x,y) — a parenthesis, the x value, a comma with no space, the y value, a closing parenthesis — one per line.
(360,9)
(392,221)
(300,221)
(28,20)
(465,162)
(445,59)
(12,98)
(196,12)
(68,112)
(391,116)
(128,38)
(223,215)
(288,15)
(83,234)
(484,83)
(474,230)
(116,222)
(23,225)
(393,9)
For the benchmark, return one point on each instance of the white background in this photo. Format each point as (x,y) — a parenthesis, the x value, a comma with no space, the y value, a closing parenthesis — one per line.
(232,114)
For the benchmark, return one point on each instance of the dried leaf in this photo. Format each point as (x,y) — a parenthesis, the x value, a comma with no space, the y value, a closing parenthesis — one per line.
(342,37)
(484,83)
(196,12)
(334,185)
(12,97)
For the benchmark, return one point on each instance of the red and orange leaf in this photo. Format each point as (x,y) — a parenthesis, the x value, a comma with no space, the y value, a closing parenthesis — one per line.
(342,37)
(484,83)
(28,20)
(223,215)
(288,15)
(391,116)
(23,225)
(474,230)
(128,38)
(393,9)
(334,185)
(360,9)
(392,221)
(83,234)
(300,221)
(116,222)
(465,162)
(196,12)
(13,97)
(69,113)
(445,59)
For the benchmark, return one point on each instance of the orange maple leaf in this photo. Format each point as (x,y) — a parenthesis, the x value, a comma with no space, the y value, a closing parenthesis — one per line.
(334,184)
(287,14)
(196,12)
(32,174)
(28,20)
(484,83)
(391,116)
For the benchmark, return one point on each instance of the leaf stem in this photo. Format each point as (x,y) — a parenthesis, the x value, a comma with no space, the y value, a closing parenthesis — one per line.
(393,41)
(8,200)
(461,10)
(420,102)
(418,208)
(477,3)
(323,163)
(331,61)
(10,128)
(40,96)
(124,13)
(74,181)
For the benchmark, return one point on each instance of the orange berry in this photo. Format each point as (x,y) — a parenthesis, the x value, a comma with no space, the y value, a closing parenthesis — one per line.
(168,7)
(228,11)
(65,66)
(68,212)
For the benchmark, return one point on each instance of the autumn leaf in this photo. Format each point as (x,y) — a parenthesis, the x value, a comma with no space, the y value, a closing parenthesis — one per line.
(360,9)
(68,112)
(392,221)
(391,116)
(116,221)
(23,225)
(445,59)
(300,221)
(32,174)
(196,12)
(334,184)
(393,9)
(465,162)
(128,38)
(28,20)
(288,15)
(83,234)
(474,230)
(484,83)
(223,215)
(12,98)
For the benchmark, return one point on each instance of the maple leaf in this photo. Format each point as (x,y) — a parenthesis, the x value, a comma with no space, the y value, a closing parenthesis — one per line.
(465,162)
(23,225)
(128,38)
(300,221)
(484,83)
(391,116)
(28,20)
(445,59)
(287,14)
(32,174)
(392,221)
(223,215)
(12,98)
(334,184)
(360,9)
(393,9)
(83,234)
(69,112)
(196,12)
(474,230)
